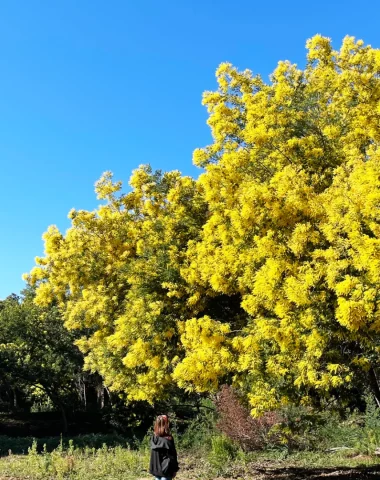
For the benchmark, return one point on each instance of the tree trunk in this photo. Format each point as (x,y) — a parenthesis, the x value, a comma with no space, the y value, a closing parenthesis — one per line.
(109,395)
(64,419)
(56,401)
(84,395)
(15,402)
(374,381)
(101,397)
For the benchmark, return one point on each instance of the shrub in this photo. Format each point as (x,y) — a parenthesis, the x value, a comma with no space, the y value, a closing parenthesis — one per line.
(223,452)
(301,428)
(237,424)
(200,429)
(369,439)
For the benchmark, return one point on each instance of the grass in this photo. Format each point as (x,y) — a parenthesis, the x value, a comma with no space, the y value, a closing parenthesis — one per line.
(21,445)
(89,463)
(221,461)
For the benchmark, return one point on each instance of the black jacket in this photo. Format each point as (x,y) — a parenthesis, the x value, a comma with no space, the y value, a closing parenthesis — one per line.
(163,457)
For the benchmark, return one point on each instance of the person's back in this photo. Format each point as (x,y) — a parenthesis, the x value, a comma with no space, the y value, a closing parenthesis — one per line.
(163,457)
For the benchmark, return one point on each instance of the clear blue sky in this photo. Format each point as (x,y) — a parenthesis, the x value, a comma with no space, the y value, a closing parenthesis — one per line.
(88,86)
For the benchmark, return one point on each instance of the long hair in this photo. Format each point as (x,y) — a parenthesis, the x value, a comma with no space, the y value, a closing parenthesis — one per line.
(161,426)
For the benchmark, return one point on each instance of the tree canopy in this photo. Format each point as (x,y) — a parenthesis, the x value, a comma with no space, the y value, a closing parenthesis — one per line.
(264,272)
(37,354)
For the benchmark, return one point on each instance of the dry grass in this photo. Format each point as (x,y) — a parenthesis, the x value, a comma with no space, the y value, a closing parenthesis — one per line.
(124,464)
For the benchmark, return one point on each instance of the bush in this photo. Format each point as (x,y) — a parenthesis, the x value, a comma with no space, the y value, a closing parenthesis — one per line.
(303,428)
(223,452)
(199,430)
(369,440)
(237,424)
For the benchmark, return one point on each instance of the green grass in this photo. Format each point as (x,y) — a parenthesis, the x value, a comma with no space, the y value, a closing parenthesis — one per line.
(222,460)
(77,463)
(21,445)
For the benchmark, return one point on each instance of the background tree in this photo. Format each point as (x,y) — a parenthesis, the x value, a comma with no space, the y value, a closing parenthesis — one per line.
(37,354)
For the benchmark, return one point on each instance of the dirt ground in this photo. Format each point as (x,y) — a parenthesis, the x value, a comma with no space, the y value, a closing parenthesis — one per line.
(370,473)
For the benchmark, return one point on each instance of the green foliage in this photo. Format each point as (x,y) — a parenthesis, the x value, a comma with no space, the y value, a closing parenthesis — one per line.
(21,445)
(369,439)
(77,464)
(372,412)
(306,429)
(223,452)
(199,430)
(37,354)
(299,428)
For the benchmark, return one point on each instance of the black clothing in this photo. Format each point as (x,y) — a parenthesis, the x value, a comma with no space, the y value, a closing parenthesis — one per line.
(163,457)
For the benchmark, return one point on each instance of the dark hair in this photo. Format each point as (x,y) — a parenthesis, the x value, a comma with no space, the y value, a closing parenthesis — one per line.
(161,426)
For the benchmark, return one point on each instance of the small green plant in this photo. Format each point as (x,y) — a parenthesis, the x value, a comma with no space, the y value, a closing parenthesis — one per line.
(223,452)
(199,430)
(372,412)
(369,440)
(298,428)
(72,463)
(20,445)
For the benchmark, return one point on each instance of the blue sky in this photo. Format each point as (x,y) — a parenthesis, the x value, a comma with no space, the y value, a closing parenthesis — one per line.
(88,86)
